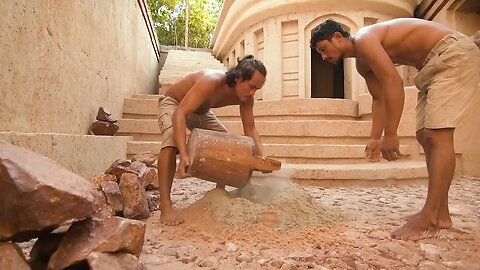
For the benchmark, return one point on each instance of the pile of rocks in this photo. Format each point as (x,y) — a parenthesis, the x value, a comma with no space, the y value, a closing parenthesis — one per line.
(105,124)
(74,223)
(130,187)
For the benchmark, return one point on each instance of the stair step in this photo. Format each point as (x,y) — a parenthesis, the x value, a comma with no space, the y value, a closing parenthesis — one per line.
(293,128)
(291,132)
(314,128)
(144,96)
(291,153)
(137,147)
(379,171)
(180,63)
(322,153)
(146,107)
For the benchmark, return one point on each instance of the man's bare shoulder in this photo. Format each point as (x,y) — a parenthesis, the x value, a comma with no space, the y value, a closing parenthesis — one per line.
(368,41)
(406,41)
(205,76)
(368,35)
(397,29)
(210,74)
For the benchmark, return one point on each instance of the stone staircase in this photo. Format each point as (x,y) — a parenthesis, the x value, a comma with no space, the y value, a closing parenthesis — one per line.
(319,141)
(181,63)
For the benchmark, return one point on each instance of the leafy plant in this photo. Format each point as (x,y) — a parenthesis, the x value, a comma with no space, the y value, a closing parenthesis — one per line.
(169,17)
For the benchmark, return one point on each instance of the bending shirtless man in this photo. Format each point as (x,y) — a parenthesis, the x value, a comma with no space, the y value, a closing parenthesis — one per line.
(448,75)
(187,104)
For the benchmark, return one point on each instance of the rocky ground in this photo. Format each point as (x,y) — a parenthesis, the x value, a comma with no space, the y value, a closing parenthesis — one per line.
(287,226)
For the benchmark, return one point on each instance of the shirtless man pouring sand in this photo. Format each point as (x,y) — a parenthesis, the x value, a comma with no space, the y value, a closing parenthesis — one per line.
(448,66)
(187,104)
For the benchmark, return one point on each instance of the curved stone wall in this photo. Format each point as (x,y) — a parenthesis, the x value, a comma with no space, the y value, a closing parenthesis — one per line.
(278,32)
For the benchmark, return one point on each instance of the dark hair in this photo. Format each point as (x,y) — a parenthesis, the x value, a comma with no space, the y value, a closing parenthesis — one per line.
(325,31)
(245,69)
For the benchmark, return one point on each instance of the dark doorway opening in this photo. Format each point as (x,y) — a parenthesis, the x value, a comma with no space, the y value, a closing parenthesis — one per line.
(327,79)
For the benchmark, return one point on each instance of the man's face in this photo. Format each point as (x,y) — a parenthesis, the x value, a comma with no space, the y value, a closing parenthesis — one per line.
(329,50)
(248,88)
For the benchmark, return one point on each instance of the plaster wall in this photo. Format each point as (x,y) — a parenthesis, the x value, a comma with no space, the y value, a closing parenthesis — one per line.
(61,60)
(85,155)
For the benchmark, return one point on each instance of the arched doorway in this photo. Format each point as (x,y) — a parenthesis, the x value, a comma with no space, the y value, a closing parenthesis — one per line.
(327,79)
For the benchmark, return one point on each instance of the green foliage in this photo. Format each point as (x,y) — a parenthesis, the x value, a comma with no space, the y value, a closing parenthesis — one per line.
(169,19)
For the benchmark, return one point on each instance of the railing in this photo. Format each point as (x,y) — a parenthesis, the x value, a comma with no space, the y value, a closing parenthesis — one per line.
(151,30)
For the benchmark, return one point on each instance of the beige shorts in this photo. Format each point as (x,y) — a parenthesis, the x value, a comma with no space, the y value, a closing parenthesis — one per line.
(167,106)
(448,81)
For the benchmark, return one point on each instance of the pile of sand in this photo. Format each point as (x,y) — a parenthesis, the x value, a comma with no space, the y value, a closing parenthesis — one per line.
(275,202)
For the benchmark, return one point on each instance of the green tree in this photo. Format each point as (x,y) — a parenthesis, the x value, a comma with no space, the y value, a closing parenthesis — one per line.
(169,18)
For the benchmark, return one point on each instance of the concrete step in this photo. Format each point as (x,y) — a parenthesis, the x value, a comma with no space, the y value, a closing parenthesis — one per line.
(291,153)
(146,107)
(144,96)
(292,128)
(180,63)
(322,153)
(351,174)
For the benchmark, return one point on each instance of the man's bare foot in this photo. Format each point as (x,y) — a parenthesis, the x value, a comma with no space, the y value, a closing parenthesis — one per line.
(170,217)
(444,221)
(417,228)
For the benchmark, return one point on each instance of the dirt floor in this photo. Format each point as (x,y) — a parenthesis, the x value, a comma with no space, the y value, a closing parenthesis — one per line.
(276,224)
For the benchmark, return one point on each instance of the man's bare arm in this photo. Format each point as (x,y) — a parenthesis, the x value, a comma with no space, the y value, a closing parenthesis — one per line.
(370,51)
(248,122)
(378,101)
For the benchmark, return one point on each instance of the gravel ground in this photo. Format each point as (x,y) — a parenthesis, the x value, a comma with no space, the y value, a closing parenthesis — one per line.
(355,233)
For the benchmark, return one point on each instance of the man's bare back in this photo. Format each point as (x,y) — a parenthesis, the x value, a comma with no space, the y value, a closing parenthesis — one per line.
(222,97)
(407,41)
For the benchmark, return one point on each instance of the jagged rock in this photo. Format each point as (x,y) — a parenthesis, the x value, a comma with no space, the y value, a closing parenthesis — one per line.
(45,246)
(152,179)
(135,203)
(277,263)
(142,171)
(37,195)
(104,115)
(210,261)
(230,247)
(114,234)
(12,257)
(244,257)
(186,254)
(146,158)
(153,197)
(119,162)
(104,128)
(117,261)
(301,256)
(119,167)
(113,195)
(98,180)
(104,210)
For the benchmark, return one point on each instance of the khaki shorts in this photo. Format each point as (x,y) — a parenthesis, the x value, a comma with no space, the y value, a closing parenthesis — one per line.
(448,81)
(167,106)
